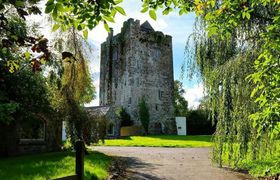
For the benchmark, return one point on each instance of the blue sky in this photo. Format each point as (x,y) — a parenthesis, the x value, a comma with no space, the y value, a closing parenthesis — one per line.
(179,27)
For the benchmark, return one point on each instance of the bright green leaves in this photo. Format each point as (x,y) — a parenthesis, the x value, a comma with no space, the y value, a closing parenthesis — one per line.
(109,18)
(212,30)
(246,13)
(55,27)
(167,11)
(120,10)
(118,1)
(27,55)
(153,14)
(83,15)
(85,33)
(145,9)
(106,26)
(12,66)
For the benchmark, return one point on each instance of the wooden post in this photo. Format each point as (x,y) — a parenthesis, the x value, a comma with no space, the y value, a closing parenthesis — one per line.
(80,152)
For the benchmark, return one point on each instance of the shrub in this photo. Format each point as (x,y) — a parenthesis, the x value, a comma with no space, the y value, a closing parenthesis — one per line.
(144,115)
(124,117)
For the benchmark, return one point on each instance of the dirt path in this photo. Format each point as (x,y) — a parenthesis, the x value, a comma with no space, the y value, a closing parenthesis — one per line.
(170,163)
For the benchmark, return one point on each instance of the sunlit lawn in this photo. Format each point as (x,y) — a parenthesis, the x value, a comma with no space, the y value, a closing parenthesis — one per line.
(161,141)
(52,165)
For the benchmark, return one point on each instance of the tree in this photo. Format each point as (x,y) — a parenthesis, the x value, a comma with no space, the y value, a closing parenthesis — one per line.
(76,84)
(144,115)
(19,46)
(225,61)
(124,117)
(181,105)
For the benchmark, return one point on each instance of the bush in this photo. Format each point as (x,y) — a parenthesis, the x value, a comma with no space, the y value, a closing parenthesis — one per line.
(124,117)
(198,123)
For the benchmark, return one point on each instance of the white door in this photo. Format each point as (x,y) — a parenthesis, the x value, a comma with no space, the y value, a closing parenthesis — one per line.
(181,124)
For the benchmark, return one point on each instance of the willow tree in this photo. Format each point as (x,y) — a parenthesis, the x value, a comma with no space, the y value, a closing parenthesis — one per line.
(225,64)
(75,87)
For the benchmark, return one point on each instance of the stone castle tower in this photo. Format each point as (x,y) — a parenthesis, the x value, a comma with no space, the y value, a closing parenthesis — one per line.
(137,63)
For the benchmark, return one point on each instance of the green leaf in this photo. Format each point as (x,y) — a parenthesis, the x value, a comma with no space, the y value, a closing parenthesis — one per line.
(85,33)
(208,16)
(153,15)
(49,8)
(166,11)
(175,2)
(118,1)
(54,14)
(55,27)
(108,18)
(59,7)
(75,23)
(120,10)
(181,12)
(145,9)
(27,55)
(248,16)
(113,12)
(212,31)
(106,26)
(243,14)
(50,2)
(212,3)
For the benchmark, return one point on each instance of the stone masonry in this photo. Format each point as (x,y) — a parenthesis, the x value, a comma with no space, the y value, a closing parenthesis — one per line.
(137,63)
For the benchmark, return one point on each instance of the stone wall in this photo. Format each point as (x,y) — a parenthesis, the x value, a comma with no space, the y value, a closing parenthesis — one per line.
(11,143)
(137,63)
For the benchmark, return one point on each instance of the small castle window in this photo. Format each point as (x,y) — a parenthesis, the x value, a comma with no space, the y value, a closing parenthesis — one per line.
(115,55)
(160,94)
(129,100)
(156,107)
(157,53)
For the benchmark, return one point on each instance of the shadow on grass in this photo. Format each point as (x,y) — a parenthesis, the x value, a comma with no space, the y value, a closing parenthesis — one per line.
(48,165)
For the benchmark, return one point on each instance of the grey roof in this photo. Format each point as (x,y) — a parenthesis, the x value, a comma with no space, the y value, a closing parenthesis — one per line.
(146,26)
(98,110)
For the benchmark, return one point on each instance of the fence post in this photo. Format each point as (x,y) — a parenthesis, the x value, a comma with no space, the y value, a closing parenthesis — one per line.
(80,152)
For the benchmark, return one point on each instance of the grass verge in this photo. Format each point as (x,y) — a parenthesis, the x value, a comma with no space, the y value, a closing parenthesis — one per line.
(53,165)
(161,141)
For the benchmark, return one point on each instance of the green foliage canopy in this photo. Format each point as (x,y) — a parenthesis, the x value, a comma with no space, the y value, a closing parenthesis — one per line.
(181,105)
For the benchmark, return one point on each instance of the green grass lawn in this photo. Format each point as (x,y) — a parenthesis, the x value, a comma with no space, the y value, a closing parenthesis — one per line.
(52,165)
(161,141)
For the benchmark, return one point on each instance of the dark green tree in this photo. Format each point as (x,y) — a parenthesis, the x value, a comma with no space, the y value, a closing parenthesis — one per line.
(124,117)
(144,115)
(181,105)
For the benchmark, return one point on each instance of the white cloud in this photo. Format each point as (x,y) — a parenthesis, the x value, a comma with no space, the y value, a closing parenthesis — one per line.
(194,95)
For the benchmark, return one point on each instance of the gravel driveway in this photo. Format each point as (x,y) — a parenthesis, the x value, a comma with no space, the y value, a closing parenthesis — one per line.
(170,163)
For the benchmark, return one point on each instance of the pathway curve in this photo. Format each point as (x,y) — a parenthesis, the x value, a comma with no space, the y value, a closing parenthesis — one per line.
(156,163)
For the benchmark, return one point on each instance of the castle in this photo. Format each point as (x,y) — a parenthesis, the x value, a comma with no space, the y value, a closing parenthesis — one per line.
(137,63)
